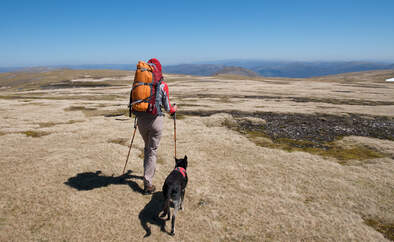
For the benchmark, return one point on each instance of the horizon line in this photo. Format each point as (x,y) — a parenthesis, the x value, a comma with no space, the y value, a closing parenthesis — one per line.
(209,62)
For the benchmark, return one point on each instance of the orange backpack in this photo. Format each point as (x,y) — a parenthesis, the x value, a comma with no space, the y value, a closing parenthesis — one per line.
(144,85)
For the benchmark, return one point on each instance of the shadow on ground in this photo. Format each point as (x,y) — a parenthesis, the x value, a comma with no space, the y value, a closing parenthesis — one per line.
(150,214)
(91,180)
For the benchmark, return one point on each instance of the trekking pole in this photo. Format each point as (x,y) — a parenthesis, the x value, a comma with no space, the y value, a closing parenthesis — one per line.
(131,143)
(175,131)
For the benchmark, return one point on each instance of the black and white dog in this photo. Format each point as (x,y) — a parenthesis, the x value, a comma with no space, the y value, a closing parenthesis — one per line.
(174,190)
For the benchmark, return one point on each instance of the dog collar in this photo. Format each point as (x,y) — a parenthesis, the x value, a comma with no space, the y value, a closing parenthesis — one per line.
(181,170)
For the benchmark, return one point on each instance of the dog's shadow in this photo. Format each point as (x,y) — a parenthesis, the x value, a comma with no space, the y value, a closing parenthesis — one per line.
(150,214)
(91,180)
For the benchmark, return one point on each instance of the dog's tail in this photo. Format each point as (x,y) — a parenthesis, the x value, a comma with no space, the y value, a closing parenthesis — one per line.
(175,192)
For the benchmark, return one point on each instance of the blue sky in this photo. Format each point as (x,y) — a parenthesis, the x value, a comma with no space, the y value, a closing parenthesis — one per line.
(114,32)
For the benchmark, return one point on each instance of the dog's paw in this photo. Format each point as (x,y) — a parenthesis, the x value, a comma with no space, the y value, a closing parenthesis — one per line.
(172,233)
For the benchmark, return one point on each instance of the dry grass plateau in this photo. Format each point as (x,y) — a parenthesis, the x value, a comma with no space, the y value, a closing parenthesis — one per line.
(269,159)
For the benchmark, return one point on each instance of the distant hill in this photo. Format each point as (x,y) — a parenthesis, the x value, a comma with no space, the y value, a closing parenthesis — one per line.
(193,69)
(10,69)
(292,69)
(311,69)
(280,68)
(235,70)
(378,76)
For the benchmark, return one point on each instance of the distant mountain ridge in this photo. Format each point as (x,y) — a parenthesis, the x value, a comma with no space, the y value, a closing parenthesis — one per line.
(193,69)
(280,68)
(292,69)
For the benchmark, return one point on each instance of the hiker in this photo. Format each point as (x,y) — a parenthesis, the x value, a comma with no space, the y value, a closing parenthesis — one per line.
(149,114)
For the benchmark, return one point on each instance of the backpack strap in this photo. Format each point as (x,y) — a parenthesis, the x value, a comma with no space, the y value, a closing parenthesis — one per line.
(141,84)
(146,100)
(154,68)
(158,97)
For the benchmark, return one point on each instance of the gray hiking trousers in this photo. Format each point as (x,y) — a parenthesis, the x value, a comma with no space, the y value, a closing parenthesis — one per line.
(150,127)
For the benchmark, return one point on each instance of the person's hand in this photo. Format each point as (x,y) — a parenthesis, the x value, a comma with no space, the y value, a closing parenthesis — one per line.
(174,108)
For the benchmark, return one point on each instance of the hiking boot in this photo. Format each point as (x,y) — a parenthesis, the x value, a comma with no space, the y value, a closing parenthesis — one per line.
(149,189)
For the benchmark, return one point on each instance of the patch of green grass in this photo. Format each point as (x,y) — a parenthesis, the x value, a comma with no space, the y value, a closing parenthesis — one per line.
(39,104)
(225,99)
(2,221)
(70,84)
(103,105)
(34,134)
(387,229)
(110,97)
(51,124)
(115,113)
(342,101)
(141,155)
(192,105)
(309,199)
(179,116)
(160,160)
(119,141)
(358,152)
(79,108)
(47,124)
(15,97)
(74,121)
(89,112)
(326,149)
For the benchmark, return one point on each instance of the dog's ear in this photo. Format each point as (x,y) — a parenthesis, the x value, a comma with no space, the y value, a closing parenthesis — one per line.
(185,158)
